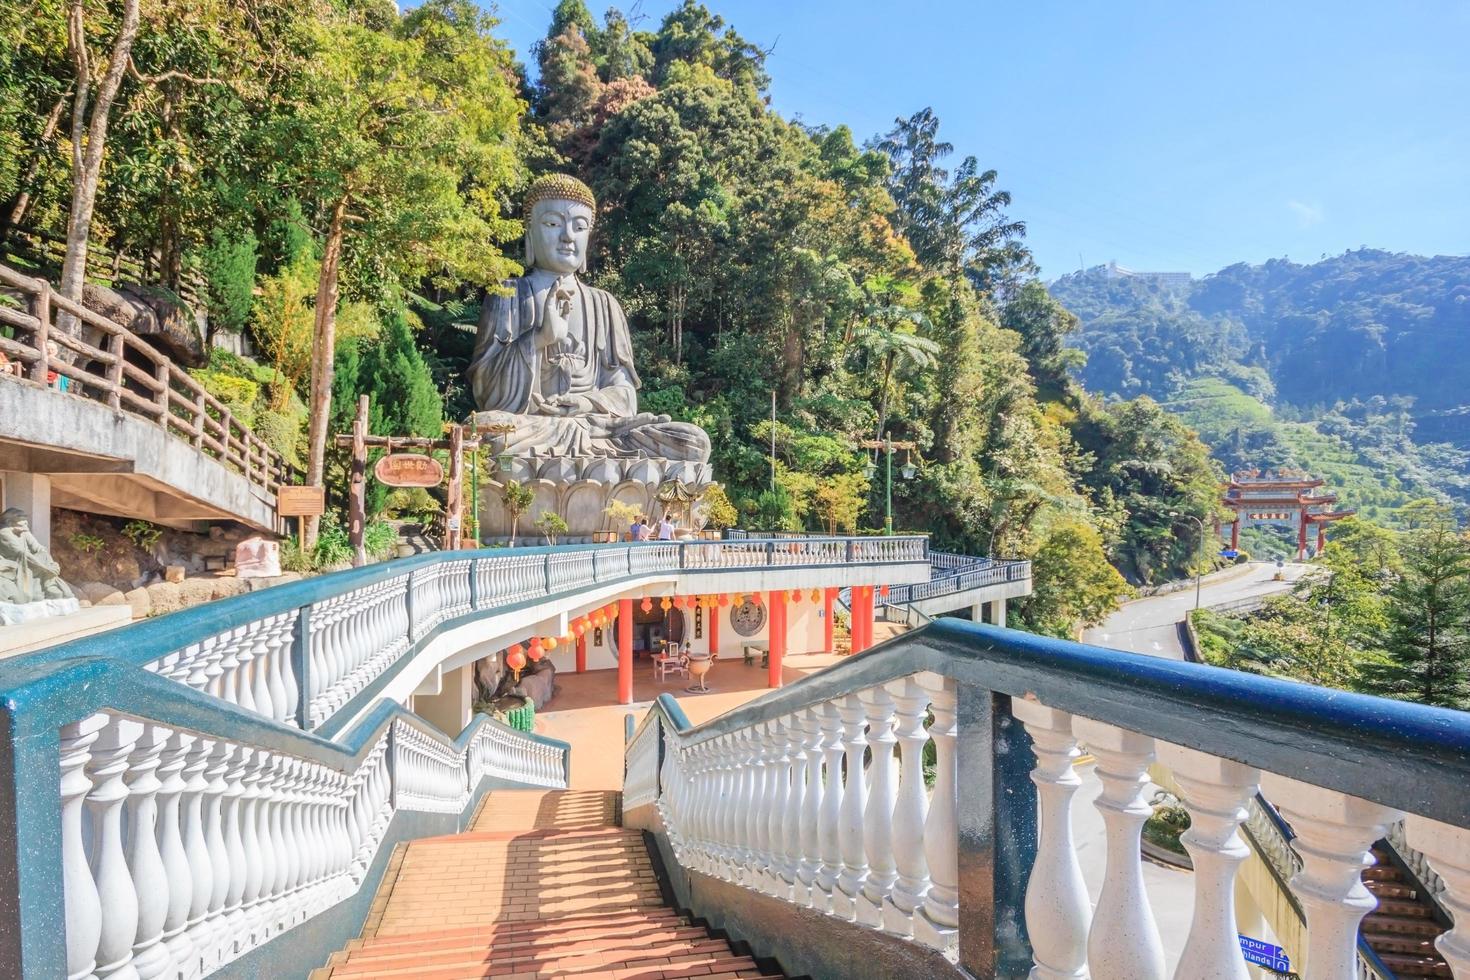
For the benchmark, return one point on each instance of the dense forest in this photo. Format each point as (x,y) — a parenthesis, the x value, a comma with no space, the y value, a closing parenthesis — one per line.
(1351,367)
(339,184)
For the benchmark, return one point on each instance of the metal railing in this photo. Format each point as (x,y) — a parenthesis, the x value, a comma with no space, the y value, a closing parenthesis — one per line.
(104,365)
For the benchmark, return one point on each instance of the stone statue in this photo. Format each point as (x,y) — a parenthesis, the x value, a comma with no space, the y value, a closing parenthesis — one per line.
(28,573)
(554,358)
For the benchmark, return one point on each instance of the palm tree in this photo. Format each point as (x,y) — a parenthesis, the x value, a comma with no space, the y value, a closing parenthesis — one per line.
(888,337)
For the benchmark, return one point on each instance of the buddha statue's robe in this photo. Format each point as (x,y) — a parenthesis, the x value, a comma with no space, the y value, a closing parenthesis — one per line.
(517,382)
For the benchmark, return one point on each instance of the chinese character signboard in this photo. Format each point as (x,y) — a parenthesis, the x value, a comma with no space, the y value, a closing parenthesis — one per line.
(409,470)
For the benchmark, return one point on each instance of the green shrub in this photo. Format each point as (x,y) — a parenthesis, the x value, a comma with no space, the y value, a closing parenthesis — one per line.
(281,431)
(86,543)
(380,539)
(238,394)
(332,544)
(1168,822)
(228,264)
(293,559)
(551,524)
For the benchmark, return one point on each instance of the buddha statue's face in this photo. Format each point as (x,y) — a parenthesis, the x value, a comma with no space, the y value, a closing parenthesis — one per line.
(556,238)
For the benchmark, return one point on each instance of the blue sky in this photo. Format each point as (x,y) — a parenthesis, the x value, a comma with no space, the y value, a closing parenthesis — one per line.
(1185,135)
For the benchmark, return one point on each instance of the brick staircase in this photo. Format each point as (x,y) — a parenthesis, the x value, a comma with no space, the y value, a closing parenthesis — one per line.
(1403,928)
(543,884)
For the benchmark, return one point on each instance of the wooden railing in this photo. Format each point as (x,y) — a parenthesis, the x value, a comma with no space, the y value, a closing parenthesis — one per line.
(110,364)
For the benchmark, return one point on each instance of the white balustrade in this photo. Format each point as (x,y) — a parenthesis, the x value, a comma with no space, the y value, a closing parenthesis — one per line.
(201,850)
(854,865)
(910,812)
(938,925)
(1447,849)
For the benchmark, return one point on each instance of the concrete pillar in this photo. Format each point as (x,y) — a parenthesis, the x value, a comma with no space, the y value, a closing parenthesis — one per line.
(625,651)
(998,612)
(977,613)
(829,596)
(31,492)
(777,632)
(714,628)
(451,708)
(582,654)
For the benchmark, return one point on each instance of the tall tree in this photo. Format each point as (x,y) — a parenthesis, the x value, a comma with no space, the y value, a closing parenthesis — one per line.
(1428,642)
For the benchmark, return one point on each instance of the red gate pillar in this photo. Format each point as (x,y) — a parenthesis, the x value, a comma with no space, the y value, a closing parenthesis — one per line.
(828,596)
(862,618)
(714,629)
(625,651)
(777,599)
(1235,535)
(582,654)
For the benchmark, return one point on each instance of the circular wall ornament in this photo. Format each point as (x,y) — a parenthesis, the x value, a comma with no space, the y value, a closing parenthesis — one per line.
(747,618)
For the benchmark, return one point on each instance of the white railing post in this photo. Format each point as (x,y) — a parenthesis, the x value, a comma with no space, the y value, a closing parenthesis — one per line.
(1448,851)
(794,732)
(831,815)
(1124,943)
(779,764)
(1058,910)
(115,891)
(149,876)
(811,809)
(1216,791)
(938,926)
(911,810)
(1333,835)
(854,801)
(82,906)
(878,818)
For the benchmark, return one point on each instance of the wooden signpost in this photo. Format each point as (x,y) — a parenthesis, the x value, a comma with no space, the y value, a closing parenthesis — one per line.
(301,502)
(407,470)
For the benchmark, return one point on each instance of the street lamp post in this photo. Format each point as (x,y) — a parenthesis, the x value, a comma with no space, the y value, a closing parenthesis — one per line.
(888,445)
(1199,558)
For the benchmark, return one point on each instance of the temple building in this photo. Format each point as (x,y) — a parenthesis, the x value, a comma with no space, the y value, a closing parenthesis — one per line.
(1288,498)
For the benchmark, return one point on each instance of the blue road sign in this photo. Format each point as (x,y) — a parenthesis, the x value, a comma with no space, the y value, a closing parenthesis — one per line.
(1229,553)
(1264,954)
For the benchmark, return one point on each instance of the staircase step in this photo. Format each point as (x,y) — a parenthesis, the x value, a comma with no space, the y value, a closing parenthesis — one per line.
(1416,966)
(1401,926)
(1386,942)
(662,937)
(1382,872)
(1390,889)
(1399,908)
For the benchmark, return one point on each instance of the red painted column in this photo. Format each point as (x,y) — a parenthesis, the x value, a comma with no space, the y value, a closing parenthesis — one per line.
(867,616)
(1235,535)
(828,597)
(625,651)
(582,654)
(861,603)
(714,629)
(777,631)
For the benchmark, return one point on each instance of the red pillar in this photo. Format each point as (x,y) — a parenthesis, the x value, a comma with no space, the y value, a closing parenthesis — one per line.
(828,596)
(862,618)
(1235,535)
(714,629)
(625,651)
(582,654)
(777,631)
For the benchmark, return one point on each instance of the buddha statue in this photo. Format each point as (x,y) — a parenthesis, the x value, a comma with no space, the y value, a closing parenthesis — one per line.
(28,573)
(553,356)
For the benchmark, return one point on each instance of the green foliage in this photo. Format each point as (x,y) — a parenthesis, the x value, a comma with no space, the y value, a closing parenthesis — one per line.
(143,534)
(517,499)
(1074,586)
(380,540)
(1169,820)
(87,544)
(719,511)
(237,394)
(551,524)
(228,264)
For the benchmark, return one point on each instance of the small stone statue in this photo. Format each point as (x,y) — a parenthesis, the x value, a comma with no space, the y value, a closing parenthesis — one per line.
(28,573)
(554,358)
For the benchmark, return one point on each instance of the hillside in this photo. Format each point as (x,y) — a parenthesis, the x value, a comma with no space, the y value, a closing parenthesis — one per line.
(1352,367)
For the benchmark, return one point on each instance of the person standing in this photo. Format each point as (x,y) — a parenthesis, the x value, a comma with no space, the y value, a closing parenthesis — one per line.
(642,532)
(633,530)
(665,528)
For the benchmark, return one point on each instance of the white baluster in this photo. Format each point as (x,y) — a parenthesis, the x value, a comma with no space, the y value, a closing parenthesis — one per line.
(261,667)
(150,877)
(778,777)
(878,818)
(115,891)
(911,810)
(810,849)
(786,810)
(1058,911)
(1448,850)
(211,933)
(729,806)
(938,925)
(753,808)
(173,846)
(854,801)
(234,914)
(1333,835)
(1216,791)
(83,909)
(831,815)
(1124,943)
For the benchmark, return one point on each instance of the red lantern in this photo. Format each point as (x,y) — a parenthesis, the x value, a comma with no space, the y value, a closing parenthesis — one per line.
(579,628)
(795,595)
(647,605)
(755,597)
(535,652)
(724,598)
(678,602)
(883,591)
(598,619)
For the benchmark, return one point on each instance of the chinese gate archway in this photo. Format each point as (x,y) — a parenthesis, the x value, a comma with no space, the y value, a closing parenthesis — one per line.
(1284,498)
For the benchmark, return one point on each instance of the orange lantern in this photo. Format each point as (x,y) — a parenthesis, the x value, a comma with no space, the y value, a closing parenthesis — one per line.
(515,660)
(598,619)
(883,590)
(678,602)
(579,628)
(816,595)
(550,643)
(724,598)
(535,652)
(647,605)
(755,597)
(665,604)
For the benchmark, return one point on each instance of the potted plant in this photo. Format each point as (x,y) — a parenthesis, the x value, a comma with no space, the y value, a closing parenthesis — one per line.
(517,499)
(619,514)
(551,524)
